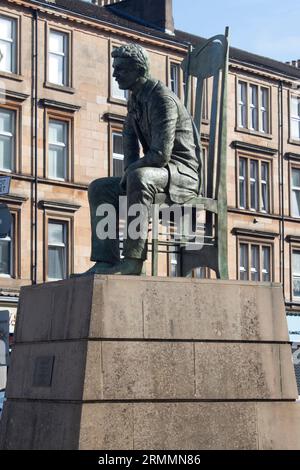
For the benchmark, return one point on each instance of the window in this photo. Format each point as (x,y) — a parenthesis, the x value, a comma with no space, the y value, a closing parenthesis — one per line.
(58,144)
(242,104)
(118,154)
(7,139)
(58,58)
(8,44)
(173,261)
(253,105)
(122,95)
(57,250)
(7,254)
(295,117)
(201,273)
(295,192)
(174,78)
(296,273)
(254,262)
(254,184)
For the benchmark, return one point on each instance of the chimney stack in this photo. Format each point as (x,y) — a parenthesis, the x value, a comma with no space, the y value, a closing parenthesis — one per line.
(154,13)
(294,63)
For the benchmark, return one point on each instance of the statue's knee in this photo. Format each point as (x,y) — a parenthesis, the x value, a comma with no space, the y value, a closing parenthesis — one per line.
(137,178)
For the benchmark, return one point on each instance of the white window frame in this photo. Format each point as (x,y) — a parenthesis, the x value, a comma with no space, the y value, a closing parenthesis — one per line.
(116,156)
(63,245)
(253,104)
(115,91)
(244,269)
(243,182)
(242,105)
(250,269)
(294,189)
(264,110)
(64,54)
(10,238)
(62,145)
(12,135)
(247,107)
(175,78)
(295,117)
(258,182)
(295,275)
(12,41)
(264,183)
(173,257)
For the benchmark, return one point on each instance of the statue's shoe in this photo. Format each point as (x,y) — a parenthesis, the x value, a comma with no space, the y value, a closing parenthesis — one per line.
(128,267)
(99,268)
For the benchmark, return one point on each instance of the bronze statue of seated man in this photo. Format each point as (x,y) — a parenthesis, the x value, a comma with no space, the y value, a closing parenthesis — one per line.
(159,123)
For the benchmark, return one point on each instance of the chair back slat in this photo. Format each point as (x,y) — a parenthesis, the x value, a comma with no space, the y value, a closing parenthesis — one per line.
(203,62)
(188,84)
(198,108)
(221,183)
(211,163)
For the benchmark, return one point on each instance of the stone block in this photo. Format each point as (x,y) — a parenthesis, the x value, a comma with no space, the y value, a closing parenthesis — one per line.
(107,426)
(135,308)
(55,311)
(117,308)
(61,378)
(139,371)
(216,310)
(278,426)
(40,425)
(166,426)
(244,371)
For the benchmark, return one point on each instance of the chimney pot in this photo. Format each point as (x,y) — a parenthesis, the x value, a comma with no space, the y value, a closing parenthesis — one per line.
(155,13)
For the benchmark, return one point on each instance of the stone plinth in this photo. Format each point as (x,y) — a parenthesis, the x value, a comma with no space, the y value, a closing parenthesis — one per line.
(110,362)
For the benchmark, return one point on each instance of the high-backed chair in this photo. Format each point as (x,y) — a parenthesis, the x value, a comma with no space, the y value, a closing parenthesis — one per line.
(206,61)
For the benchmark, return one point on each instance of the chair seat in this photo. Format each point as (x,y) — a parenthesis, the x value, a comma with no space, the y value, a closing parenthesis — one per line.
(207,203)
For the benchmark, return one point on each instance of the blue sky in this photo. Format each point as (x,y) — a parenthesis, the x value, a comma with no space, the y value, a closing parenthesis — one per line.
(265,27)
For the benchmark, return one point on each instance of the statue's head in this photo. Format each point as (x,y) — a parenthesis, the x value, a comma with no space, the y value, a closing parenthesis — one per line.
(131,64)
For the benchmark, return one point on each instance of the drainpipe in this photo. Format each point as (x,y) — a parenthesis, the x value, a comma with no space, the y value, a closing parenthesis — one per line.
(34,226)
(281,185)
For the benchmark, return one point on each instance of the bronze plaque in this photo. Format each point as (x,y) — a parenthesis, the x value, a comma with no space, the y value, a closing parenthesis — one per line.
(43,369)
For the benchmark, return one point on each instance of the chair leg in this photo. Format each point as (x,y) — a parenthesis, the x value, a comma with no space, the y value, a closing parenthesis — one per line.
(222,271)
(155,222)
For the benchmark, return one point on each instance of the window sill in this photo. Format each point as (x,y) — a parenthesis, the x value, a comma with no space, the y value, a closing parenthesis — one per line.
(12,76)
(66,184)
(113,100)
(255,133)
(57,180)
(63,88)
(245,210)
(294,142)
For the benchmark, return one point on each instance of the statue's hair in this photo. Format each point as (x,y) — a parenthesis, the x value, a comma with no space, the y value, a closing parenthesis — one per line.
(136,53)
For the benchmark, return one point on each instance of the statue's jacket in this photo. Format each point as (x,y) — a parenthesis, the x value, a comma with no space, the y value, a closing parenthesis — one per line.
(160,122)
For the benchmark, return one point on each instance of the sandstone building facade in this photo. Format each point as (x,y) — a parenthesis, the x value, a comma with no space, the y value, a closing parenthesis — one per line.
(61,117)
